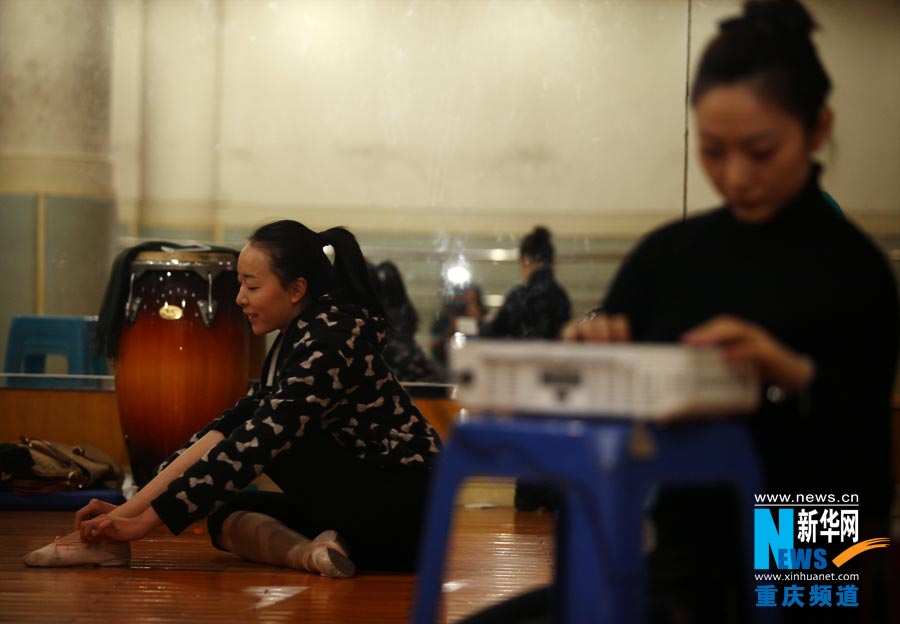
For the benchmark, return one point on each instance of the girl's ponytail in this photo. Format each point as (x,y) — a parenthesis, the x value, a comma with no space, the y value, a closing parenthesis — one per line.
(351,275)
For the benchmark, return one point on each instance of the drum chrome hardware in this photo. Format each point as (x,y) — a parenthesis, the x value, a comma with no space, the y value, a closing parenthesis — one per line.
(198,260)
(133,304)
(209,305)
(182,250)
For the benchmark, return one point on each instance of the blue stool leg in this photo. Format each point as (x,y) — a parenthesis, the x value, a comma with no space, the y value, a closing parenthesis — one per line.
(450,471)
(612,498)
(585,589)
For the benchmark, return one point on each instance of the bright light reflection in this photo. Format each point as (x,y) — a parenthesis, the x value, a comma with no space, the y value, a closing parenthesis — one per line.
(499,255)
(458,275)
(269,595)
(494,301)
(452,586)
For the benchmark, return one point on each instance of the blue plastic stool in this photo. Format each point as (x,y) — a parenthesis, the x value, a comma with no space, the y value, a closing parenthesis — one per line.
(33,337)
(605,474)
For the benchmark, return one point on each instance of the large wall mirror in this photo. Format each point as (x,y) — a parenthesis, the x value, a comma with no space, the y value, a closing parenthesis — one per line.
(439,131)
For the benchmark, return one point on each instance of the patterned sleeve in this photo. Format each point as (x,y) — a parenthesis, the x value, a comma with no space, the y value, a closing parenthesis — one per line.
(225,423)
(308,390)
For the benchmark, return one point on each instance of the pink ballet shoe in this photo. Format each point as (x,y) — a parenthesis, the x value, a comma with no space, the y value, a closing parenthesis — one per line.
(69,554)
(328,555)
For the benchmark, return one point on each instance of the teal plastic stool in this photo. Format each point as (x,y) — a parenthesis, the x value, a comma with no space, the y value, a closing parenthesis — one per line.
(33,337)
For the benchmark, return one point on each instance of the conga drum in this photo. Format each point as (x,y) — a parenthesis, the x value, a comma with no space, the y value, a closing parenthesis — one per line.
(183,353)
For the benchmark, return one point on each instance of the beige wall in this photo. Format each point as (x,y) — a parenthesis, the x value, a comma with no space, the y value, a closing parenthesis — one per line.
(455,116)
(428,127)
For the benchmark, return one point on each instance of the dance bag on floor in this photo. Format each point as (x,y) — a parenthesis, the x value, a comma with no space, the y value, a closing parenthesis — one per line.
(38,466)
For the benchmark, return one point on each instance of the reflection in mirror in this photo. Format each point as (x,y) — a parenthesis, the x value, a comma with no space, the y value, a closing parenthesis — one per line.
(439,132)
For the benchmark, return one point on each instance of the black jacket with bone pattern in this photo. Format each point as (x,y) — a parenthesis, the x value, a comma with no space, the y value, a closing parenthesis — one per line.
(328,377)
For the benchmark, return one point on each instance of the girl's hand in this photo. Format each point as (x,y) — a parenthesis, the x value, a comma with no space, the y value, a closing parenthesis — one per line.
(118,529)
(92,510)
(598,328)
(743,341)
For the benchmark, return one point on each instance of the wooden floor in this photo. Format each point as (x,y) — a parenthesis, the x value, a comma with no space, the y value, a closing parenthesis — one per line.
(495,553)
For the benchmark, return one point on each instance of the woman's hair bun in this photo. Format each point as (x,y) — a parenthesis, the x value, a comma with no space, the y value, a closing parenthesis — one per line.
(769,44)
(779,17)
(537,245)
(541,234)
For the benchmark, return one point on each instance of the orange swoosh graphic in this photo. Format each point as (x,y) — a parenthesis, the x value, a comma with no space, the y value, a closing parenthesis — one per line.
(847,555)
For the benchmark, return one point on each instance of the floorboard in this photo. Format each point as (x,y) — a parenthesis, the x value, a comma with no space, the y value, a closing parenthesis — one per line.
(495,553)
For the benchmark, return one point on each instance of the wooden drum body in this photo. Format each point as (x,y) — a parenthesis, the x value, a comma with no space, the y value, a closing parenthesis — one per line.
(184,351)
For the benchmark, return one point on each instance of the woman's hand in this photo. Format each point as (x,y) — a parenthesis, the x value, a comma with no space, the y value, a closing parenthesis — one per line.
(598,328)
(743,341)
(118,529)
(92,510)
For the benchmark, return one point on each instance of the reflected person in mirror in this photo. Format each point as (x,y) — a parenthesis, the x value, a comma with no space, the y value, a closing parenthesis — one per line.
(403,354)
(535,309)
(539,307)
(462,310)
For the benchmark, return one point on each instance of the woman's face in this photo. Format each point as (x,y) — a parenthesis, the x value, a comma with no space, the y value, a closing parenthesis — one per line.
(526,266)
(756,154)
(266,303)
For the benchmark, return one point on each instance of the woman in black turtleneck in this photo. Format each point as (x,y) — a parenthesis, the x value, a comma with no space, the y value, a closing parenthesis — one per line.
(776,277)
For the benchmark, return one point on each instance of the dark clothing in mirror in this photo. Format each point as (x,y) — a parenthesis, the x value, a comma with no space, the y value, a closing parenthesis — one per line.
(537,309)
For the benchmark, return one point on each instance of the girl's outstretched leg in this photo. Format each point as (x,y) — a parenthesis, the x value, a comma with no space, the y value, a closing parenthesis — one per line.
(261,538)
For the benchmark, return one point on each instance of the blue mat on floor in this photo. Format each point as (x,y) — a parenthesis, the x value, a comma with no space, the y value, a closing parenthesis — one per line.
(57,501)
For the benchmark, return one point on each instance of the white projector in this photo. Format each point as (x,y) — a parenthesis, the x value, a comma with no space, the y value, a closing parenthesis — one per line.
(630,381)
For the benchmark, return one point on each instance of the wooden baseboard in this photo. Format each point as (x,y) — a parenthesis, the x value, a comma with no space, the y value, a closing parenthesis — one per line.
(66,416)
